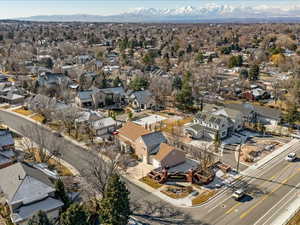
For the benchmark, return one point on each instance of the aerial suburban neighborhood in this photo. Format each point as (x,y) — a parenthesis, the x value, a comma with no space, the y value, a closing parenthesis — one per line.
(151,117)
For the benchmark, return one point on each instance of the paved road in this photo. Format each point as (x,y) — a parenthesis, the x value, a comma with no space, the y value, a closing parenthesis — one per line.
(81,158)
(267,188)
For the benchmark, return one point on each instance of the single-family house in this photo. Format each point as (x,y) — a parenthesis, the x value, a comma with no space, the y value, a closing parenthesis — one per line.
(141,141)
(6,140)
(142,99)
(207,125)
(7,147)
(256,113)
(84,98)
(167,156)
(104,126)
(101,97)
(12,98)
(27,191)
(52,80)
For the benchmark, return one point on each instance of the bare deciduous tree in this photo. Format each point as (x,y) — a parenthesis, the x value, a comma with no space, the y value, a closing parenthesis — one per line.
(42,145)
(203,156)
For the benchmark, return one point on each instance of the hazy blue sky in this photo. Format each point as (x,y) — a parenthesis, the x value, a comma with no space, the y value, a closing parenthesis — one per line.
(21,8)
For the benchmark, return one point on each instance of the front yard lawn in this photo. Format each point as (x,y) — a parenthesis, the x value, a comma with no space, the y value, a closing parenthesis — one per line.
(150,182)
(38,118)
(203,197)
(23,112)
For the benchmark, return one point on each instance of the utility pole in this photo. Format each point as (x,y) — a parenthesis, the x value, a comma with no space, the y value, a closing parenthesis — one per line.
(238,162)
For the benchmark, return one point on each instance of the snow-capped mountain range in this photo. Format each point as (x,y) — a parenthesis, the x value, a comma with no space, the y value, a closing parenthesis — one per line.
(209,12)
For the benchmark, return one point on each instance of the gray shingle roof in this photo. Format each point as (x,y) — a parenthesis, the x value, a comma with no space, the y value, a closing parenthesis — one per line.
(115,91)
(85,95)
(142,96)
(104,122)
(24,183)
(5,138)
(211,118)
(27,211)
(153,140)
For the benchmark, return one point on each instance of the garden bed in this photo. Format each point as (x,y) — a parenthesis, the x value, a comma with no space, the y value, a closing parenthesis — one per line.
(177,192)
(150,182)
(203,197)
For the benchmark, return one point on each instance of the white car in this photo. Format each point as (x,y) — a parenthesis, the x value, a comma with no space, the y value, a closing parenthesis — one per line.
(291,157)
(238,194)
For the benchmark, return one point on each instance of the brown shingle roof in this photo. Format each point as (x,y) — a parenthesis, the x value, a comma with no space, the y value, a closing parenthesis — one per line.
(164,150)
(132,131)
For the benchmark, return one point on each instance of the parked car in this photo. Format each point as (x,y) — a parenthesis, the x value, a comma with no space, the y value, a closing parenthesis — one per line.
(291,157)
(238,194)
(195,193)
(57,134)
(115,132)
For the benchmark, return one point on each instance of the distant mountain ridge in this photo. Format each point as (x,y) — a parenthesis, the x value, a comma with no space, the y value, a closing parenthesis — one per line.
(207,13)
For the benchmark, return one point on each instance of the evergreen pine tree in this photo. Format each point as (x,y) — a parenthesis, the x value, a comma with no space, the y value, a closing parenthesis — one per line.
(115,209)
(74,215)
(39,219)
(61,194)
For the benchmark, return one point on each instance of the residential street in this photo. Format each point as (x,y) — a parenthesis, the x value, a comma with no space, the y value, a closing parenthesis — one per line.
(268,188)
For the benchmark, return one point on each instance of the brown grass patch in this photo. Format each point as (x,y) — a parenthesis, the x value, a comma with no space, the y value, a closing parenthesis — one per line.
(39,118)
(23,112)
(170,126)
(5,107)
(150,182)
(203,197)
(61,169)
(295,220)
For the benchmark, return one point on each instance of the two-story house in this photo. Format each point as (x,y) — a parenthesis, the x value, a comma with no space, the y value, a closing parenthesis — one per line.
(141,141)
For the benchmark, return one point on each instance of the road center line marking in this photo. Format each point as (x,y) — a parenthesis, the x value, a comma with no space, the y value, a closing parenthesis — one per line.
(265,197)
(260,185)
(232,208)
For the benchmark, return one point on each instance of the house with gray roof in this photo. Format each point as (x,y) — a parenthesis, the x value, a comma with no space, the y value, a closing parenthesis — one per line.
(142,99)
(104,126)
(84,98)
(257,113)
(101,97)
(213,120)
(207,125)
(27,191)
(52,80)
(6,140)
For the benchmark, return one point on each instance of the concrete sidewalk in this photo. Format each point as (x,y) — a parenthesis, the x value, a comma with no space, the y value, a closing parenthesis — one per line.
(288,212)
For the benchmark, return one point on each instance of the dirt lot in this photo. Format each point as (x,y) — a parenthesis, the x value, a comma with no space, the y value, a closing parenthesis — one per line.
(258,147)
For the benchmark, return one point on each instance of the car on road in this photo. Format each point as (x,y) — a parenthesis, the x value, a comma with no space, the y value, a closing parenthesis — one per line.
(238,194)
(291,157)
